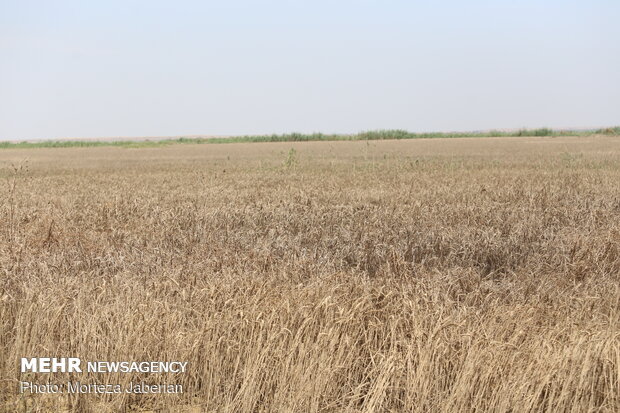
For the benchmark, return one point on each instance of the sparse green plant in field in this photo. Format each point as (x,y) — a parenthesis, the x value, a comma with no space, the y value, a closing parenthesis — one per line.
(291,158)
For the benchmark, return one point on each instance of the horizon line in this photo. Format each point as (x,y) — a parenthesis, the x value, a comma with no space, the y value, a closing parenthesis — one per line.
(158,138)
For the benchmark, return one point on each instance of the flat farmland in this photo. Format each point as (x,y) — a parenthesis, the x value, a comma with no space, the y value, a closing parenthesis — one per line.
(425,275)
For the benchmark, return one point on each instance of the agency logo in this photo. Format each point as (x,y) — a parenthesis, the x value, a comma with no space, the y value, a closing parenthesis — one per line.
(76,365)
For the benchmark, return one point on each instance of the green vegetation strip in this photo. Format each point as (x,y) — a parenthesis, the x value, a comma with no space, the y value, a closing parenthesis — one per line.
(298,137)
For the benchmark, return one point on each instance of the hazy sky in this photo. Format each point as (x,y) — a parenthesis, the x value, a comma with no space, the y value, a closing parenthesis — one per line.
(154,68)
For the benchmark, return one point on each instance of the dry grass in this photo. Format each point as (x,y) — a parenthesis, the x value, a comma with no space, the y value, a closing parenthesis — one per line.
(420,276)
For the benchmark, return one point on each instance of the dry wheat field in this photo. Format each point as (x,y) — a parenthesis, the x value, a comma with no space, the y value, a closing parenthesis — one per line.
(430,275)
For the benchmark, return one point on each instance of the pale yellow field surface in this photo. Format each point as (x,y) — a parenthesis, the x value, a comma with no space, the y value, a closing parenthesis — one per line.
(430,275)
